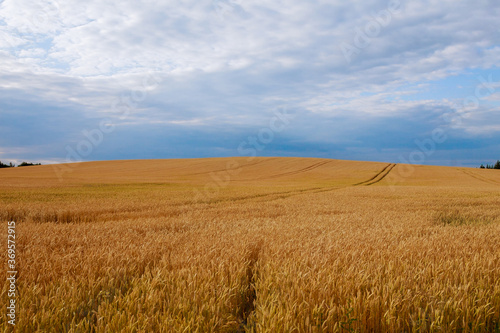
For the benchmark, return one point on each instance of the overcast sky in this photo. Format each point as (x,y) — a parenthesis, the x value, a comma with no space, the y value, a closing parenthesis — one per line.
(391,81)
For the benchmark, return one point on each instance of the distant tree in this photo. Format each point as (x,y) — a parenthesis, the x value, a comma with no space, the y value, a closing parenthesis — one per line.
(491,166)
(28,164)
(2,165)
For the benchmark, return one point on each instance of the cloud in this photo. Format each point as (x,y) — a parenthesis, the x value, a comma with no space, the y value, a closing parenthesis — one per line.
(211,72)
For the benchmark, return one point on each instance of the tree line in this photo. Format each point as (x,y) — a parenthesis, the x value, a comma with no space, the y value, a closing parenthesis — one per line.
(492,166)
(11,165)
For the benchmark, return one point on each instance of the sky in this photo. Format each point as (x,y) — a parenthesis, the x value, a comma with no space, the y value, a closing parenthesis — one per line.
(395,81)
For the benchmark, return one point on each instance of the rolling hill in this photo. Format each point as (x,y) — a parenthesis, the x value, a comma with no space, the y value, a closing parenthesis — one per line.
(257,245)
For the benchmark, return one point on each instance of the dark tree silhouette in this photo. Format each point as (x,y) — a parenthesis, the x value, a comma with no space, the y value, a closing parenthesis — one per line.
(491,166)
(10,165)
(28,164)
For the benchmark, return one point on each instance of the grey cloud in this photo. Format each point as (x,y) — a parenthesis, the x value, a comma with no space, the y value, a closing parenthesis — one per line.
(225,66)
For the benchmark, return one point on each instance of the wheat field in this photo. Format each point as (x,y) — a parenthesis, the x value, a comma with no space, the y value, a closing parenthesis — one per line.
(253,245)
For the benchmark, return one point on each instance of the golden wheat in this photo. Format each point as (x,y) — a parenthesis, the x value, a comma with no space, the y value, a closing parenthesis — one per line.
(269,245)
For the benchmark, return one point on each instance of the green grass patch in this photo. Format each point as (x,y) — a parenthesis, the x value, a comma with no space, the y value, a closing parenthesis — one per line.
(457,218)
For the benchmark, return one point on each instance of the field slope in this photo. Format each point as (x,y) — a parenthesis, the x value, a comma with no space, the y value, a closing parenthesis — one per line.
(254,244)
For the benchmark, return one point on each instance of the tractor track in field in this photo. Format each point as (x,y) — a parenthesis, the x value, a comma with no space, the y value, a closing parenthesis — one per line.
(226,169)
(481,178)
(281,195)
(375,179)
(246,306)
(295,172)
(379,176)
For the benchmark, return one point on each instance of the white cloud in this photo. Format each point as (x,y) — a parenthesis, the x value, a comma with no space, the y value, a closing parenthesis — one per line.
(232,61)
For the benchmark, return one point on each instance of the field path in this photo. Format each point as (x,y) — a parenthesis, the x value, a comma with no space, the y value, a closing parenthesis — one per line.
(309,168)
(481,178)
(226,169)
(379,176)
(280,195)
